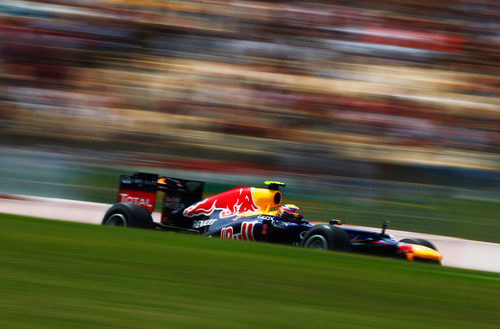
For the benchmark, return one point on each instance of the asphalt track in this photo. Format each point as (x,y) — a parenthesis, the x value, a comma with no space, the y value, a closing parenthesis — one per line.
(456,252)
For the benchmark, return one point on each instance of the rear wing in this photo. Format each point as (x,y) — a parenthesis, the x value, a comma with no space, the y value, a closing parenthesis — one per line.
(141,189)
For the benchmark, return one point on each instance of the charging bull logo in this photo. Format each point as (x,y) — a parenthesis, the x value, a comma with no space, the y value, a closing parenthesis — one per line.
(233,202)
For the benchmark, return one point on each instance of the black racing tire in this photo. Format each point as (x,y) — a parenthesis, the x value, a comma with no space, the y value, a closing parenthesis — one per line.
(326,237)
(420,242)
(128,215)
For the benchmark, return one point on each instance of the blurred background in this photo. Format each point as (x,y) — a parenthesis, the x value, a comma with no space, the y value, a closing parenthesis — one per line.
(367,110)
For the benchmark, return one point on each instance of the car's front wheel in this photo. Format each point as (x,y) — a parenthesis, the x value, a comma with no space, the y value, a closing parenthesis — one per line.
(421,242)
(326,237)
(128,215)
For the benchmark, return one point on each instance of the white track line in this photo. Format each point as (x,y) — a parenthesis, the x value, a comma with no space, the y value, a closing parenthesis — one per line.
(456,252)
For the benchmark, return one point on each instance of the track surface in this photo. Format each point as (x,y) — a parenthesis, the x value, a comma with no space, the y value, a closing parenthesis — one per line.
(456,252)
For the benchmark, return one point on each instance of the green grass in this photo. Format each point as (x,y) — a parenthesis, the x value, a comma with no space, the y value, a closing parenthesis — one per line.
(69,275)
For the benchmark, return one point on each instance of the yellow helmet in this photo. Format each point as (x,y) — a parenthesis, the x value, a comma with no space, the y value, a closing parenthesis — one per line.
(289,212)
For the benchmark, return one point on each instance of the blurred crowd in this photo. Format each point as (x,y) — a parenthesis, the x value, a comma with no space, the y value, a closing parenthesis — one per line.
(300,84)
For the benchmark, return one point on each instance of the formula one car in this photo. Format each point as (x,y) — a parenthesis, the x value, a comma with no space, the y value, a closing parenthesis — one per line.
(247,213)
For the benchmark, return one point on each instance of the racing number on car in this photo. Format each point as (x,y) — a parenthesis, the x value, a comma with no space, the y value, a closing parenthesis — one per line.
(246,232)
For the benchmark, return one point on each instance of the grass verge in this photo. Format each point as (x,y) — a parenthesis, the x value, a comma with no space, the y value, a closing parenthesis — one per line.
(70,275)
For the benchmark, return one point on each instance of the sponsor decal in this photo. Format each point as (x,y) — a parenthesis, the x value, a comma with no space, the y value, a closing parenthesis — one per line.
(201,223)
(141,198)
(124,197)
(226,233)
(230,203)
(246,232)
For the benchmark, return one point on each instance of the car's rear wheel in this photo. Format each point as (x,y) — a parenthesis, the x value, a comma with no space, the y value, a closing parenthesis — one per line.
(128,215)
(326,237)
(116,220)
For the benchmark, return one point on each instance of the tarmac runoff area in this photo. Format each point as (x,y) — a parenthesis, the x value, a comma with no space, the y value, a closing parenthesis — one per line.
(456,252)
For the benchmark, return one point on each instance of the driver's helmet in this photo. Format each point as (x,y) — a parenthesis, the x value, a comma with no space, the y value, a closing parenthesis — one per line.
(289,212)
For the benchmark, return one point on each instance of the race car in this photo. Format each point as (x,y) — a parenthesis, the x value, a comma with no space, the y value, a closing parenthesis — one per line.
(247,213)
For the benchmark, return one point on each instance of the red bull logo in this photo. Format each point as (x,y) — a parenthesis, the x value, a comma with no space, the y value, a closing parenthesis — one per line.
(233,202)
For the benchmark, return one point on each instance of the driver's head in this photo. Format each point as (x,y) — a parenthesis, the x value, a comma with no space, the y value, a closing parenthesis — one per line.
(290,212)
